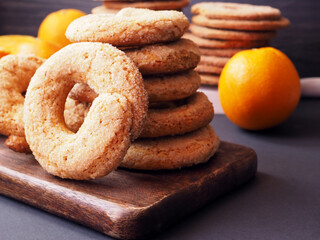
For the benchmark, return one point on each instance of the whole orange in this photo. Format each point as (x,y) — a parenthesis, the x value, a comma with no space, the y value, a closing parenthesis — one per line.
(53,27)
(259,88)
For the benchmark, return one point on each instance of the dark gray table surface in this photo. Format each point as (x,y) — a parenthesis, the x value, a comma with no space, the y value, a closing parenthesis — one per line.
(282,202)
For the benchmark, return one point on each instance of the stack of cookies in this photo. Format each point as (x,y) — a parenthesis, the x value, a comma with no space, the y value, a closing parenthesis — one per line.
(114,6)
(176,132)
(223,29)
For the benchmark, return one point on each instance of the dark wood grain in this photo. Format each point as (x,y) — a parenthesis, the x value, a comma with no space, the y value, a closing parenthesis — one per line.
(127,204)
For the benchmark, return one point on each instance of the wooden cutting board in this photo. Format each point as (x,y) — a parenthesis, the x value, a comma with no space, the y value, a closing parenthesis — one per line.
(127,204)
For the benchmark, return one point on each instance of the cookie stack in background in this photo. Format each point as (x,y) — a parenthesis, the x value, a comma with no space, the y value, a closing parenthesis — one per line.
(113,6)
(176,132)
(223,29)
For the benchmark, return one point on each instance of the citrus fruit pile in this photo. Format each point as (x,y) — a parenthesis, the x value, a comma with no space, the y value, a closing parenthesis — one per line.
(259,88)
(50,39)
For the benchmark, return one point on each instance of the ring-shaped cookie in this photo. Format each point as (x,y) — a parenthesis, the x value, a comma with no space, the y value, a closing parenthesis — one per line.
(167,58)
(172,152)
(159,88)
(103,139)
(15,74)
(192,113)
(129,27)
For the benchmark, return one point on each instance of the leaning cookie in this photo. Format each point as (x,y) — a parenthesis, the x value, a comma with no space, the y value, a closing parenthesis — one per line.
(184,116)
(129,27)
(172,152)
(15,74)
(113,121)
(170,58)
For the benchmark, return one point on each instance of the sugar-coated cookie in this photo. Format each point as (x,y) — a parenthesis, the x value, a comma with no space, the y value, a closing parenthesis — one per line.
(129,27)
(183,116)
(114,119)
(15,74)
(172,152)
(167,58)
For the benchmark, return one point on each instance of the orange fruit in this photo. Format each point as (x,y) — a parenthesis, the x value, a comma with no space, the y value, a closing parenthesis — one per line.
(259,88)
(53,27)
(24,44)
(15,44)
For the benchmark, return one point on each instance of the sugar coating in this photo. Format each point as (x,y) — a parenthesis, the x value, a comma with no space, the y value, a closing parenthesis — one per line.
(115,117)
(194,112)
(172,152)
(222,10)
(15,74)
(224,44)
(172,57)
(213,33)
(258,25)
(129,27)
(172,87)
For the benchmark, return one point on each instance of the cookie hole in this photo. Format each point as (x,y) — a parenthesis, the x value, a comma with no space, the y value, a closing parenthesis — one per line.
(75,112)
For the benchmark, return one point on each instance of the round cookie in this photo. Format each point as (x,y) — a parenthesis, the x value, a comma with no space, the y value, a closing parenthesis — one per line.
(154,5)
(159,88)
(167,58)
(214,61)
(172,87)
(224,44)
(172,152)
(222,10)
(259,25)
(129,27)
(15,74)
(209,79)
(212,33)
(187,115)
(201,68)
(220,52)
(115,116)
